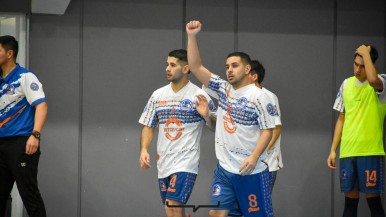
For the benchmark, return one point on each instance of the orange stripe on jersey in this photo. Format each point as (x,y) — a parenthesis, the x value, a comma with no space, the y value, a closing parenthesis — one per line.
(12,117)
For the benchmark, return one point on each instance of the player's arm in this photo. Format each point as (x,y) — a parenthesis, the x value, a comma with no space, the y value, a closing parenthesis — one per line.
(250,162)
(39,121)
(194,57)
(336,141)
(275,135)
(146,139)
(371,71)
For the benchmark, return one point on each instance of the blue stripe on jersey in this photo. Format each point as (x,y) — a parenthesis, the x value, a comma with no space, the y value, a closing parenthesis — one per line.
(246,116)
(38,101)
(184,116)
(215,83)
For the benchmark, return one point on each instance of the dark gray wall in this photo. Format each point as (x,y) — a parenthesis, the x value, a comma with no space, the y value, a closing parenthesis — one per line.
(23,6)
(100,62)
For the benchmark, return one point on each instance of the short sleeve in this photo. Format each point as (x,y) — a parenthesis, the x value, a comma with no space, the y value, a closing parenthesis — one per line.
(266,111)
(277,112)
(382,94)
(215,83)
(210,92)
(33,89)
(149,115)
(339,103)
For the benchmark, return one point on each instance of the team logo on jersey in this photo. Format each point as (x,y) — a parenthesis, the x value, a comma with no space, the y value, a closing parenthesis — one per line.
(186,105)
(10,89)
(162,185)
(343,174)
(34,86)
(242,103)
(216,190)
(271,109)
(173,129)
(229,124)
(339,94)
(212,106)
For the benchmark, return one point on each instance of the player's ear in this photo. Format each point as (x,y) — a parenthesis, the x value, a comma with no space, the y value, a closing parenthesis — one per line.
(10,54)
(186,69)
(255,77)
(247,68)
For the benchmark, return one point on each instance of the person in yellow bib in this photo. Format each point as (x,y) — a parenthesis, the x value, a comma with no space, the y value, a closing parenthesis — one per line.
(359,131)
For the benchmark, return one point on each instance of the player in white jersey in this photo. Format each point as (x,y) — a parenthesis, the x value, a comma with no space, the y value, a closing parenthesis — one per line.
(243,131)
(273,149)
(274,160)
(174,109)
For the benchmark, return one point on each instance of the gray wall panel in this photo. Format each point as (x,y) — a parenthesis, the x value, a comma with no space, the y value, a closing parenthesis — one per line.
(54,56)
(124,62)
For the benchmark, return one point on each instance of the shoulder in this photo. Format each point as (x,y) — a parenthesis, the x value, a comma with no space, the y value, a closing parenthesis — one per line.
(158,92)
(258,92)
(270,94)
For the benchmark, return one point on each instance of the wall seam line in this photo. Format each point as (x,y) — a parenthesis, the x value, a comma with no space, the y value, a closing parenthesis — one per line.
(80,123)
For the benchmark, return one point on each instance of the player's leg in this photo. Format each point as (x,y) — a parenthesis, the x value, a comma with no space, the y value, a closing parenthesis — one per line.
(349,186)
(222,194)
(218,213)
(6,181)
(25,171)
(179,189)
(371,182)
(253,194)
(375,204)
(173,210)
(163,186)
(351,204)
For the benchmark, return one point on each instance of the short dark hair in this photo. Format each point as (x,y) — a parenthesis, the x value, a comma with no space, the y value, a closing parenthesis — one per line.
(243,56)
(373,53)
(10,43)
(180,54)
(258,68)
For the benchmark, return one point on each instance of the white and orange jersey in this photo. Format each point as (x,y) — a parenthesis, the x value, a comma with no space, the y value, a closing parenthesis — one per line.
(180,126)
(241,114)
(274,160)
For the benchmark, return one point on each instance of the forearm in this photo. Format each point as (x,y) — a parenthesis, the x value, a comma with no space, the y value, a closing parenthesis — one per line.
(275,135)
(146,137)
(264,139)
(195,63)
(371,73)
(40,116)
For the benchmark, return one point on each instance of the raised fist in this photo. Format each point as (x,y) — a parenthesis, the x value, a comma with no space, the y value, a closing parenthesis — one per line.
(193,27)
